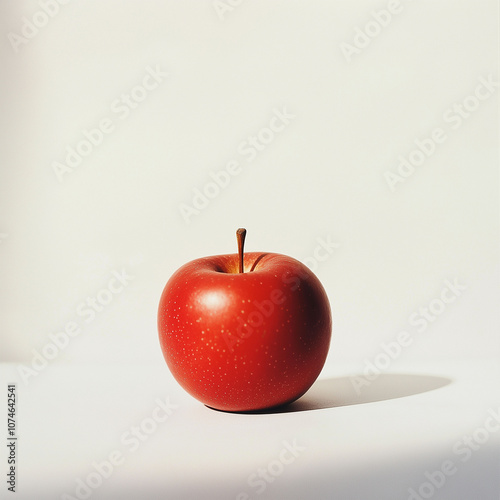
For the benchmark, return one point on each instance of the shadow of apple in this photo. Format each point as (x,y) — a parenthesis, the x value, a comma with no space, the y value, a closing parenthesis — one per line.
(346,391)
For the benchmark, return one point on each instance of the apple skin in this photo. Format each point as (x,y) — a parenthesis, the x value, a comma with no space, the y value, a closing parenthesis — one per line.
(245,341)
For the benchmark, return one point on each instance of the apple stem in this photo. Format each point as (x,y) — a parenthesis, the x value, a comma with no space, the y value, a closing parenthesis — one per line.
(240,236)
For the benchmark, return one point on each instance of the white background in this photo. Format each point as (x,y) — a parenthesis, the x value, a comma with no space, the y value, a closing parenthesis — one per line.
(322,177)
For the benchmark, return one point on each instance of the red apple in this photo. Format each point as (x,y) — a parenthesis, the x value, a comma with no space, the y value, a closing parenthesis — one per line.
(244,332)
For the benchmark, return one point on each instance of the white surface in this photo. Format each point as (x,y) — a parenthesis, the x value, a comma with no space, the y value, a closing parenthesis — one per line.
(353,446)
(320,179)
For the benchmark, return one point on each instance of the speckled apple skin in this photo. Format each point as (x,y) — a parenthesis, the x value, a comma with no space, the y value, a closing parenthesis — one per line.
(245,341)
